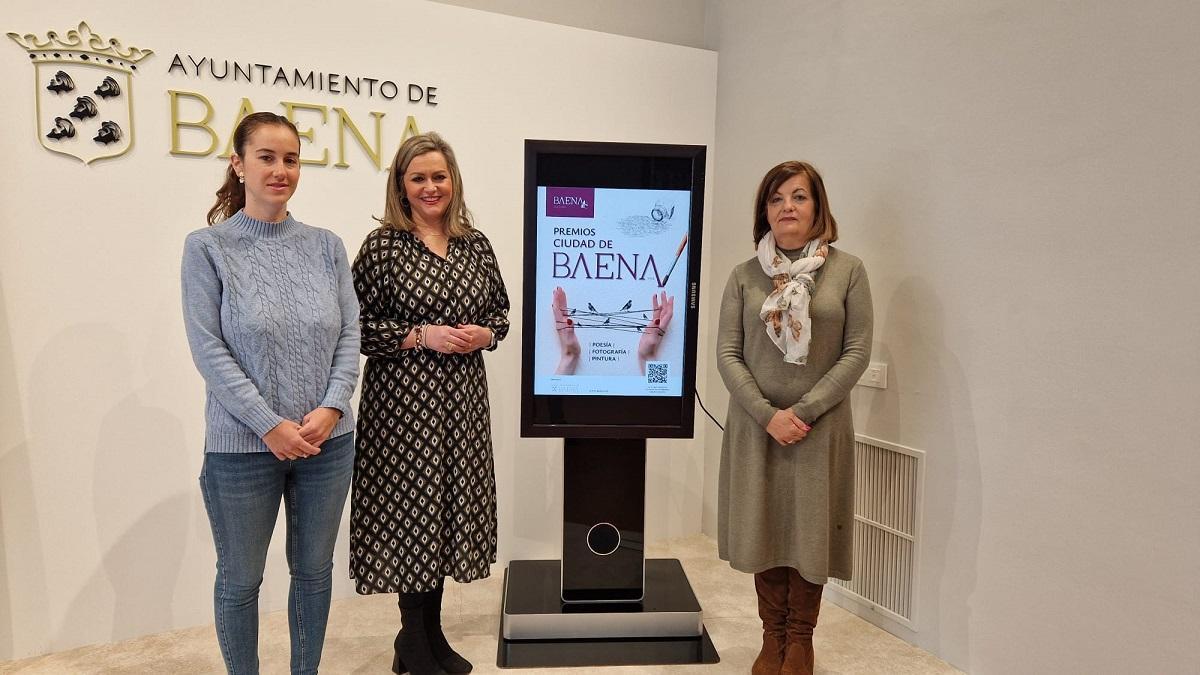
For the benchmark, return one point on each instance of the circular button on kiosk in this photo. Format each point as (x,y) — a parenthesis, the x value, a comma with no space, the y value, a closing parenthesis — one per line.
(603,539)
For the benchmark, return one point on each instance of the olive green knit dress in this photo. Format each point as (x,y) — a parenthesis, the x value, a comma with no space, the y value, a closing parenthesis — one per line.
(791,506)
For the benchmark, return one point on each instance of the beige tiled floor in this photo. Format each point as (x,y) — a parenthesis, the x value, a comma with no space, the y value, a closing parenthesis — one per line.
(361,630)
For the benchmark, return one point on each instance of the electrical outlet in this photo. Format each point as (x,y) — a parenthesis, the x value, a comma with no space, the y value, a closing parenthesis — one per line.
(875,376)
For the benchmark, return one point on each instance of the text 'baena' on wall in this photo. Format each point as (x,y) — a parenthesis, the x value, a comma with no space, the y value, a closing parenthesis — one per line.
(83,100)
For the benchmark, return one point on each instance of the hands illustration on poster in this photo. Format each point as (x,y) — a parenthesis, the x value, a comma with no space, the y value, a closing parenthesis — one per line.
(663,308)
(651,322)
(564,326)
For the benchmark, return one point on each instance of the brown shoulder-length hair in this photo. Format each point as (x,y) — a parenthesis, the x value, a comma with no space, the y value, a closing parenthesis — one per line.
(824,225)
(231,196)
(397,212)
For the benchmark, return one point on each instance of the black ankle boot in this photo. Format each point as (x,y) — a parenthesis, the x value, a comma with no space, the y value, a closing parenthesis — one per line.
(450,660)
(413,654)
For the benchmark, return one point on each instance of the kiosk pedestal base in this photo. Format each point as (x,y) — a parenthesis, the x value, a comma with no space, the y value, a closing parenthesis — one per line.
(537,629)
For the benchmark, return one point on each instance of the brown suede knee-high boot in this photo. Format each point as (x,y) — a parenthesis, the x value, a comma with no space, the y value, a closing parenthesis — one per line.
(804,603)
(772,588)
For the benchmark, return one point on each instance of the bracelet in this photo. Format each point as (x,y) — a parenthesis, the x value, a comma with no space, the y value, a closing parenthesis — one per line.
(420,337)
(492,344)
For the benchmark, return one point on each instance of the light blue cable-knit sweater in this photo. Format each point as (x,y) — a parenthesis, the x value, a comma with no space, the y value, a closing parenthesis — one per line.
(272,320)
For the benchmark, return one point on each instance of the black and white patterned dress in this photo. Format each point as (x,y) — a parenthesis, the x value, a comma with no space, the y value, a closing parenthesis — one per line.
(424,499)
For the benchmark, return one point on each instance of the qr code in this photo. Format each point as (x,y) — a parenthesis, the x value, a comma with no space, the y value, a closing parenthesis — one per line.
(656,373)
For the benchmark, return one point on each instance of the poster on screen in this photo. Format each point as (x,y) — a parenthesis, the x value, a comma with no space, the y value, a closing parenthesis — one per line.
(611,282)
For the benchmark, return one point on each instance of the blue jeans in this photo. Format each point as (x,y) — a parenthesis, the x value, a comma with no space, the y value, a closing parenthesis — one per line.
(241,494)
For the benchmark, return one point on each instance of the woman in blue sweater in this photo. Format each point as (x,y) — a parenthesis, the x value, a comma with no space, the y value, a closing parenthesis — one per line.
(272,320)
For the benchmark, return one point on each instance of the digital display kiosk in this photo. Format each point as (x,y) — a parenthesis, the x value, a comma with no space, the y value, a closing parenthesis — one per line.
(611,303)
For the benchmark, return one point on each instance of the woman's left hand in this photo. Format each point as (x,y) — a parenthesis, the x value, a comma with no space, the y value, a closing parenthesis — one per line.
(318,424)
(480,336)
(663,308)
(786,428)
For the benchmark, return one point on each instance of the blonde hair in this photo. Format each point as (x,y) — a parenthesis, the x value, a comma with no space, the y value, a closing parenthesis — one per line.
(823,222)
(397,212)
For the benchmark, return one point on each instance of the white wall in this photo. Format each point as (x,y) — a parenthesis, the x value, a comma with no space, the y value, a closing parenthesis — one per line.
(1020,178)
(679,22)
(102,527)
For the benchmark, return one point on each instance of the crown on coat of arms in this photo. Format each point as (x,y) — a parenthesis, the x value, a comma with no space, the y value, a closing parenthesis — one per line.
(80,45)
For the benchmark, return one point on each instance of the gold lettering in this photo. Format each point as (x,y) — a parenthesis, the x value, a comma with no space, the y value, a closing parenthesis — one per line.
(344,121)
(290,108)
(177,124)
(410,128)
(247,108)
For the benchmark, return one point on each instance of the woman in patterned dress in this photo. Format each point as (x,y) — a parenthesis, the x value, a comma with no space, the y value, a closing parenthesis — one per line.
(424,502)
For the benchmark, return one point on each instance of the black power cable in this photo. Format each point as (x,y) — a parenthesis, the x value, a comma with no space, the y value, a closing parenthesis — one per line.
(710,415)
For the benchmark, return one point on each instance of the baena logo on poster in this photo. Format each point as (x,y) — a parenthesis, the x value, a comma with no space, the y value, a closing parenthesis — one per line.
(83,91)
(564,202)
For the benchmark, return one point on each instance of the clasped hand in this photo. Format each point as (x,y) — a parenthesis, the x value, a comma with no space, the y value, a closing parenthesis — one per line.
(461,339)
(786,428)
(289,440)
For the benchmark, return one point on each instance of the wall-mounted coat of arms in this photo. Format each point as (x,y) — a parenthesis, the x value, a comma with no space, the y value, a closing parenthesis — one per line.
(84,92)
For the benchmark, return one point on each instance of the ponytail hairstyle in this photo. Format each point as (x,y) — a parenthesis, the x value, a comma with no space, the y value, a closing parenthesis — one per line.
(231,196)
(397,212)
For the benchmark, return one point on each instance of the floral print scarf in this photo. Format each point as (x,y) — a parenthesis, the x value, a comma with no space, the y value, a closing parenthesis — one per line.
(785,311)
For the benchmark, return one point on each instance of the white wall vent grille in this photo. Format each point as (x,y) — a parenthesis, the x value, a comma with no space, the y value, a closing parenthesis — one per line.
(889,480)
